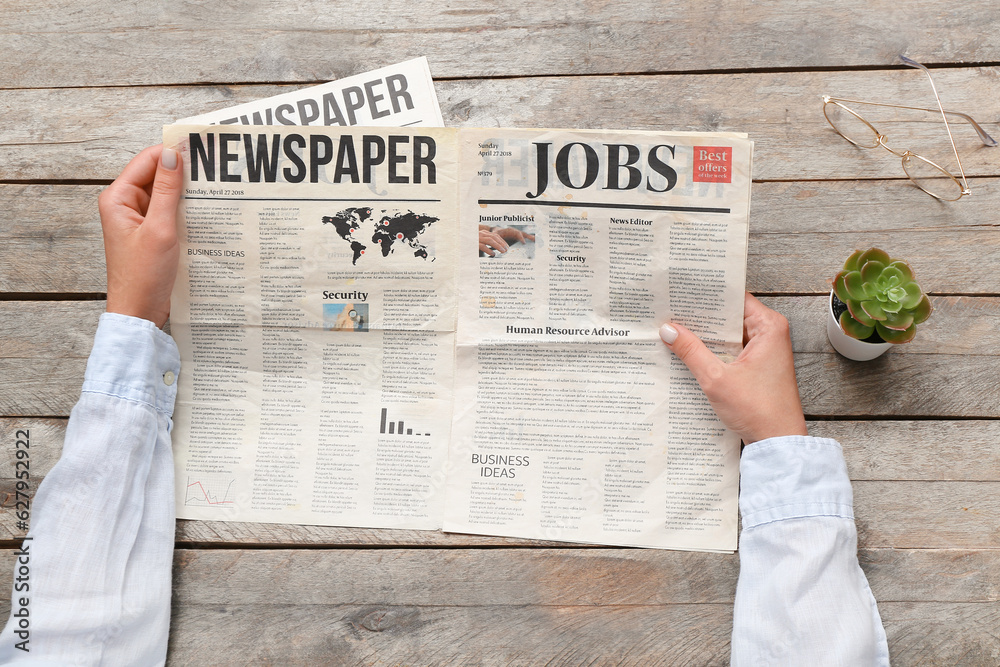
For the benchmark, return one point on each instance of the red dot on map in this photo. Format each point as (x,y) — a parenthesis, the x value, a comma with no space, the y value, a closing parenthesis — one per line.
(385,223)
(362,252)
(399,236)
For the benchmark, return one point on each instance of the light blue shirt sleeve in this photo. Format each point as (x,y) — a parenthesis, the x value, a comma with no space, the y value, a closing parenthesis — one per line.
(802,598)
(99,553)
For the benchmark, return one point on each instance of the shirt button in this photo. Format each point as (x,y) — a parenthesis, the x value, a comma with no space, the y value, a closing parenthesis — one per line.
(168,378)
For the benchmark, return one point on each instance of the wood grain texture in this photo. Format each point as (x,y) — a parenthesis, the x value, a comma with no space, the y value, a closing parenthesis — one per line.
(942,386)
(958,325)
(51,239)
(936,515)
(91,133)
(917,483)
(63,43)
(929,379)
(567,606)
(564,577)
(926,450)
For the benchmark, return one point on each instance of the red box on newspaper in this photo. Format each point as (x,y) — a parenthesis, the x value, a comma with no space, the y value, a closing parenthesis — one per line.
(713,164)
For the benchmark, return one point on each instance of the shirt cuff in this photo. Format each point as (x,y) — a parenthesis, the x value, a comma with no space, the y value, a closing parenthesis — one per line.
(791,477)
(132,359)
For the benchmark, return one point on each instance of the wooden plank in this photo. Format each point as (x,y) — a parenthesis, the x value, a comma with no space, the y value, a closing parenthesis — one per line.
(927,450)
(899,386)
(90,133)
(917,484)
(896,385)
(904,383)
(51,240)
(533,606)
(937,515)
(958,325)
(942,634)
(271,41)
(918,634)
(541,576)
(477,635)
(565,577)
(945,260)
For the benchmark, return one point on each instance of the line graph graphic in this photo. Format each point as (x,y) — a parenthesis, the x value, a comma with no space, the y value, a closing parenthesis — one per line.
(209,490)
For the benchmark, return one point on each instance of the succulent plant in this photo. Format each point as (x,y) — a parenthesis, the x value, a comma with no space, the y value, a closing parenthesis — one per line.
(881,297)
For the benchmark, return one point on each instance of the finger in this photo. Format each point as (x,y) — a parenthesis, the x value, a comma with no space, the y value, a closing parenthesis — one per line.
(699,359)
(130,188)
(139,172)
(166,192)
(496,241)
(486,249)
(759,320)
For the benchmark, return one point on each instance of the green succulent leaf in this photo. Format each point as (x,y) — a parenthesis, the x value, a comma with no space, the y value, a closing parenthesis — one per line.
(854,285)
(881,296)
(871,270)
(852,262)
(839,288)
(892,276)
(874,254)
(898,321)
(873,309)
(913,296)
(896,294)
(904,268)
(854,308)
(922,310)
(893,336)
(853,328)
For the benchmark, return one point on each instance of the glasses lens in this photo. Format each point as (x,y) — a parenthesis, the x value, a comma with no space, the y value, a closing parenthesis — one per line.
(931,179)
(850,126)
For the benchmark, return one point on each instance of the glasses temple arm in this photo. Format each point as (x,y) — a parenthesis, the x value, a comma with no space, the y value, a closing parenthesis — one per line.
(983,136)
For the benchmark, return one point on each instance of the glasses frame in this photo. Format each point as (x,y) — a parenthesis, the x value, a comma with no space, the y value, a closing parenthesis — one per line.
(905,156)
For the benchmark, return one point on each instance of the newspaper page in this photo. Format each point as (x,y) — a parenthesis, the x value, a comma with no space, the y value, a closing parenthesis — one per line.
(399,95)
(573,421)
(315,312)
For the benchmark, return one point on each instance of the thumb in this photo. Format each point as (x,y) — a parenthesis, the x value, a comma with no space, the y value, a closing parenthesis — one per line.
(702,363)
(166,192)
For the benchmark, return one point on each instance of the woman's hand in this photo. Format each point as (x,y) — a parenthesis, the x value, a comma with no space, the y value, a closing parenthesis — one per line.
(139,219)
(756,395)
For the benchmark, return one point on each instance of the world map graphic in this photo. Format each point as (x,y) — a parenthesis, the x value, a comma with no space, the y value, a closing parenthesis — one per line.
(389,230)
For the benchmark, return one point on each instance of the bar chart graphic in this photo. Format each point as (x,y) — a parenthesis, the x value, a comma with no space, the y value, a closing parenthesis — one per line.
(209,490)
(397,426)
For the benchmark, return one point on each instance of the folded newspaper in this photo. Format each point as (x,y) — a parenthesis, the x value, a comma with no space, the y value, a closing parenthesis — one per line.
(530,398)
(400,95)
(456,329)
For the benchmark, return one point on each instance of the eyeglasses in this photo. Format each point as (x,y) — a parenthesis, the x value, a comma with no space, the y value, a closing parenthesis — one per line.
(929,176)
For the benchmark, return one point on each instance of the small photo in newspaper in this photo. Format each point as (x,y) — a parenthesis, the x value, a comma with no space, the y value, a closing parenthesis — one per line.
(520,242)
(345,316)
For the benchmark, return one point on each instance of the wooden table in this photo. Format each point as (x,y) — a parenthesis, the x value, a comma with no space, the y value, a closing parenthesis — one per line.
(86,85)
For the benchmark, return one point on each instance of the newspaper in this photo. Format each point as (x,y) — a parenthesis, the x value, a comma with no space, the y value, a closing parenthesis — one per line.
(399,95)
(438,328)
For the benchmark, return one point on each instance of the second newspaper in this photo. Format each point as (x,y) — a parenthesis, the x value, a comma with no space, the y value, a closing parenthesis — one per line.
(438,328)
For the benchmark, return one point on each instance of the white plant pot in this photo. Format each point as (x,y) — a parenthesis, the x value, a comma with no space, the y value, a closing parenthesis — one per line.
(852,348)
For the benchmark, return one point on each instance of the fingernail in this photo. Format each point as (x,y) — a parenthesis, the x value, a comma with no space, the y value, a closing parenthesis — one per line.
(668,334)
(169,158)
